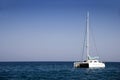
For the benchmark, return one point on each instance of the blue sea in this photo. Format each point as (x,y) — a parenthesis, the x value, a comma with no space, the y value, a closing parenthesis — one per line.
(57,71)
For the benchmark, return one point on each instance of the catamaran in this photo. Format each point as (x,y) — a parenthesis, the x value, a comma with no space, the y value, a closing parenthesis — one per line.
(90,62)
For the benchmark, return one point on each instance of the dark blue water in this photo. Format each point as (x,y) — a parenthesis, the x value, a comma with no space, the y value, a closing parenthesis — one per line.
(56,71)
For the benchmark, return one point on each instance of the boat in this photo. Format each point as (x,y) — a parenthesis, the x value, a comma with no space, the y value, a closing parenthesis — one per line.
(90,62)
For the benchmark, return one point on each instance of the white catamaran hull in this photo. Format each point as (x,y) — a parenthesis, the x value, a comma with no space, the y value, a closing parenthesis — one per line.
(96,65)
(89,64)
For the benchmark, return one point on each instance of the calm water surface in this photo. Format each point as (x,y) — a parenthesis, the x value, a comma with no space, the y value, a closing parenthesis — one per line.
(56,71)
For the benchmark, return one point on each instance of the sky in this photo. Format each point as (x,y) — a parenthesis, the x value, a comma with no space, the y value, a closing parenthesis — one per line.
(53,30)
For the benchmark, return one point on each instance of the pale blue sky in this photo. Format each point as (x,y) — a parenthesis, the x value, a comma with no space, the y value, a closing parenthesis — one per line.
(53,30)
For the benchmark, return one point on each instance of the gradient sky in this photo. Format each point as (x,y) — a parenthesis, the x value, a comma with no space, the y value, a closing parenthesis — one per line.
(53,30)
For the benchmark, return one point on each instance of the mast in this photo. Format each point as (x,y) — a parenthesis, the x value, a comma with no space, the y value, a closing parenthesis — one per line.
(87,42)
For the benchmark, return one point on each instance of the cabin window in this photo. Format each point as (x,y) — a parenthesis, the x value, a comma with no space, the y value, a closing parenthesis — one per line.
(95,61)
